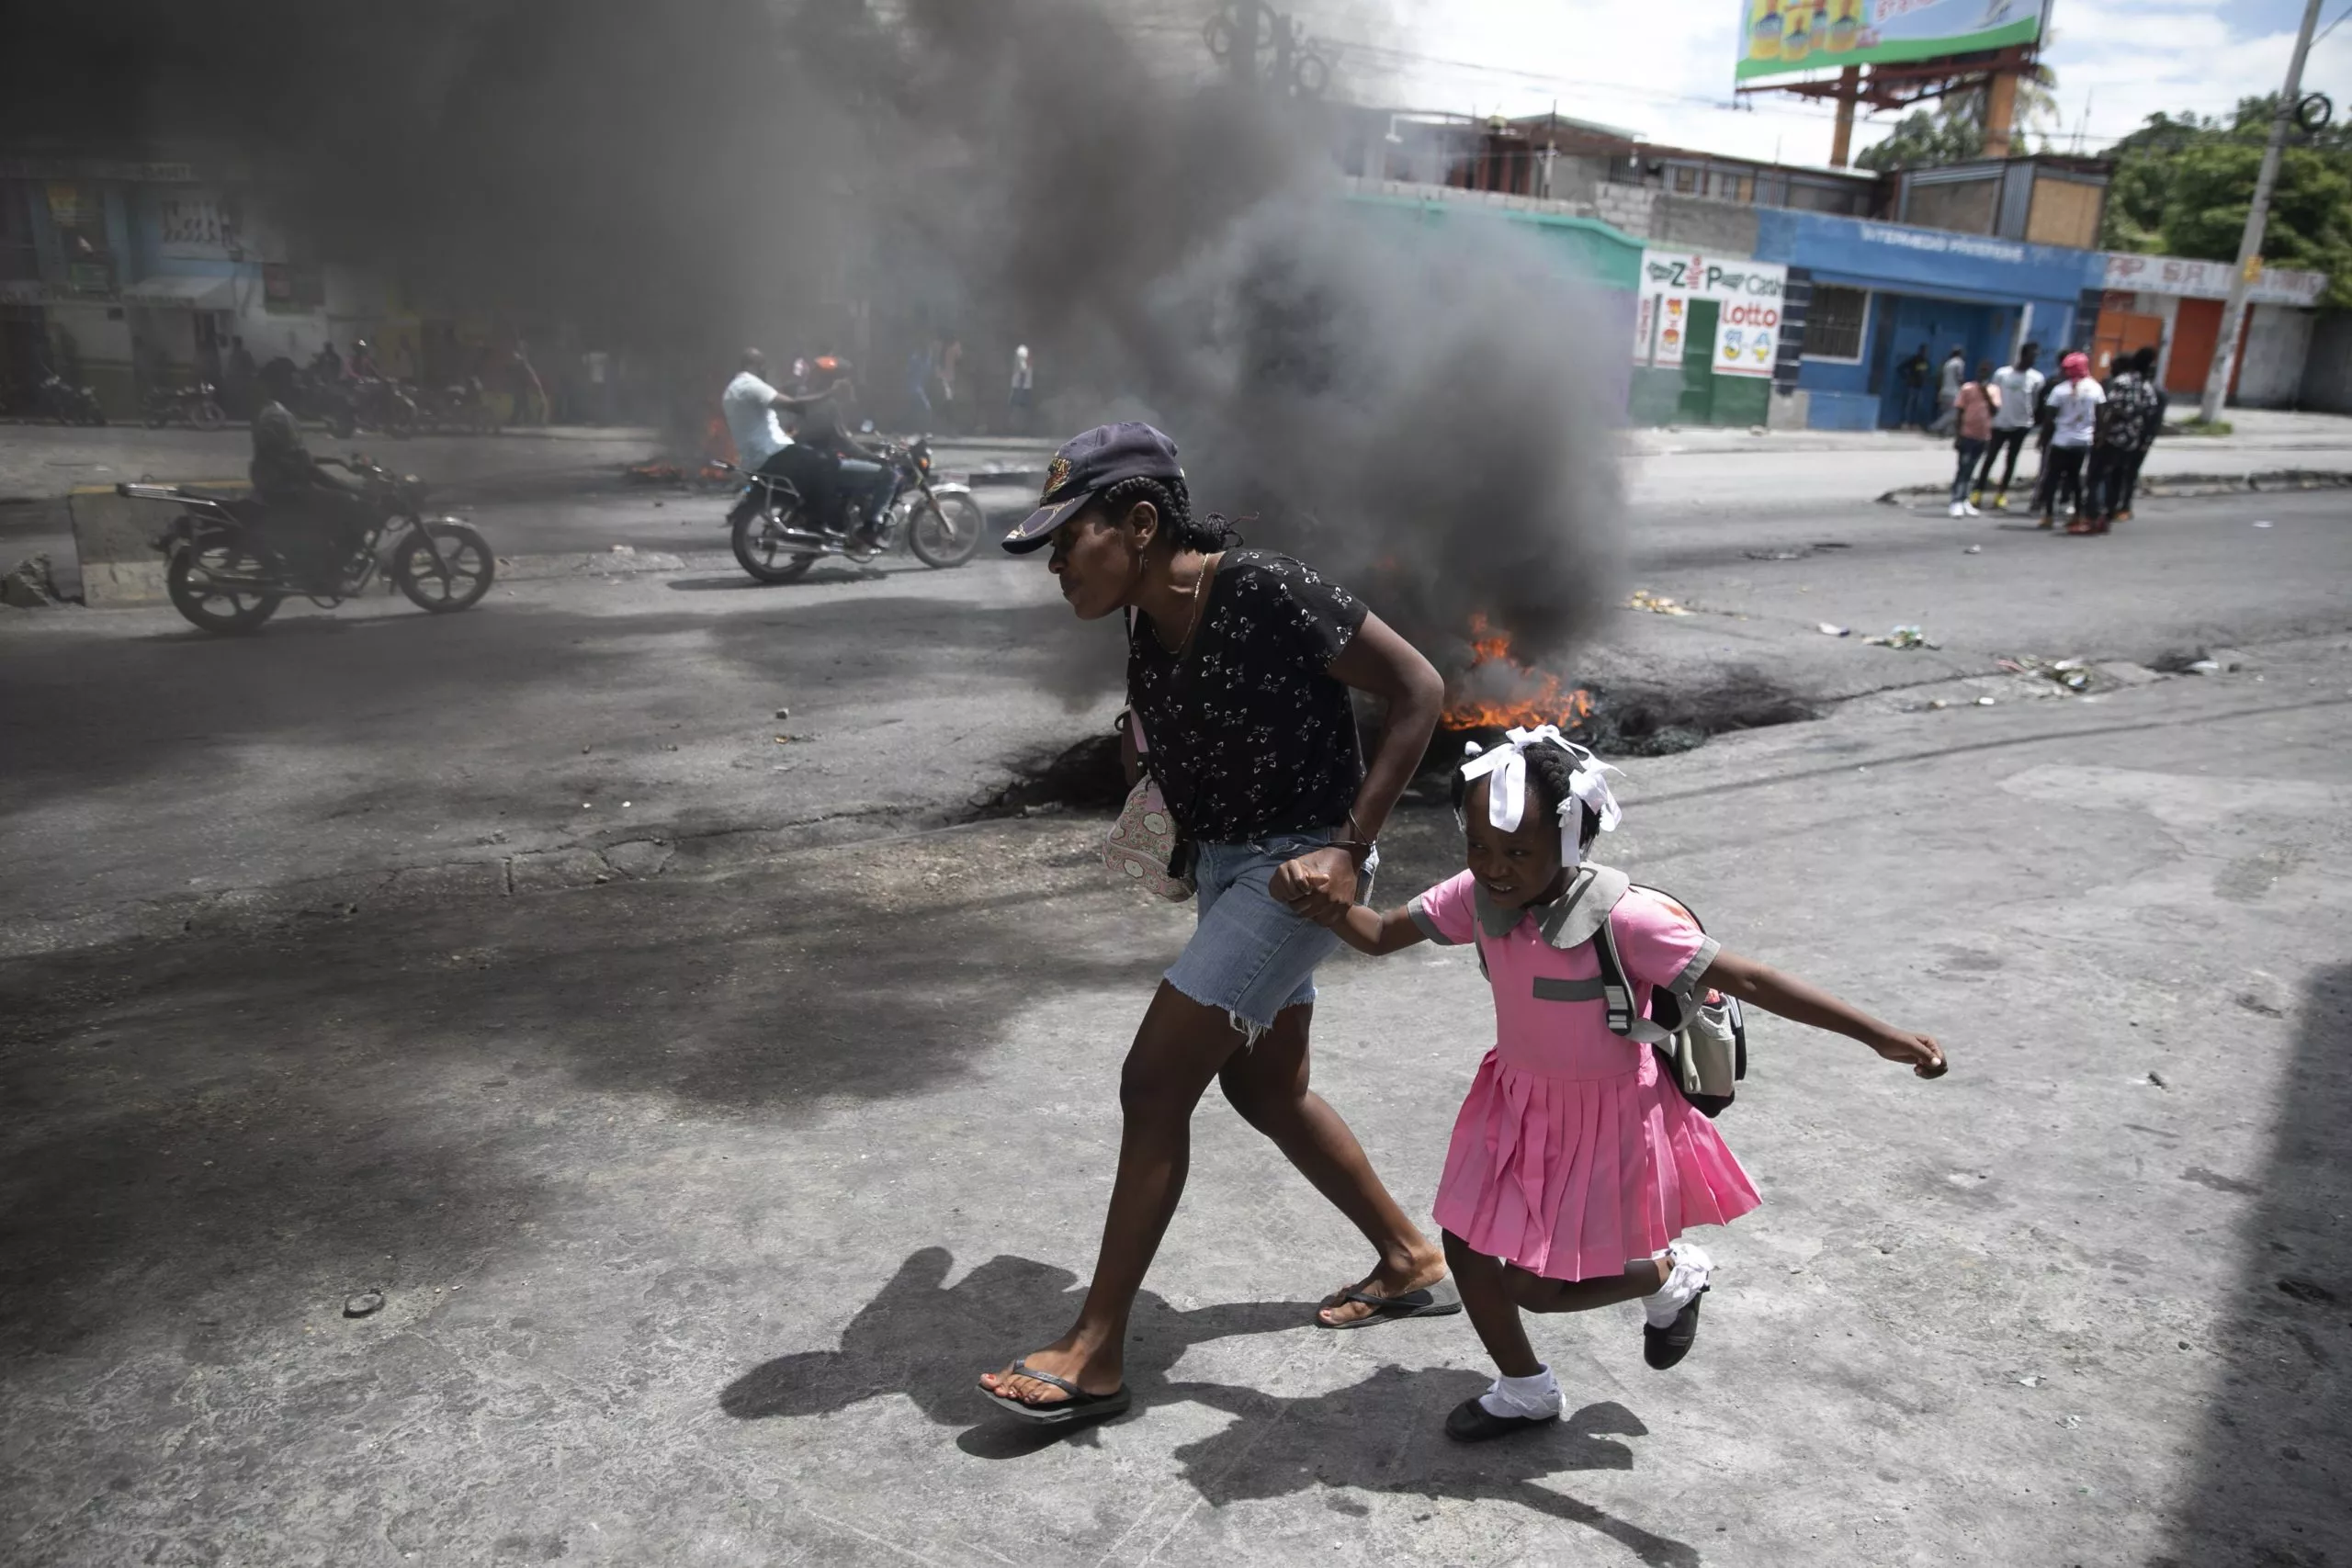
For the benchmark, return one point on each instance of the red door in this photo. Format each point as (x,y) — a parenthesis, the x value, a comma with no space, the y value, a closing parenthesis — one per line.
(2196,330)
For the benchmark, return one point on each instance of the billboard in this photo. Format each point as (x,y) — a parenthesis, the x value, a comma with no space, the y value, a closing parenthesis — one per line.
(1779,37)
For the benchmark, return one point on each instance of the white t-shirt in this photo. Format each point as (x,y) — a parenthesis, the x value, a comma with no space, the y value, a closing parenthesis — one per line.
(2018,390)
(2074,405)
(750,406)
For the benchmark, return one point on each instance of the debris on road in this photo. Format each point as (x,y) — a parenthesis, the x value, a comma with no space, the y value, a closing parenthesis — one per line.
(1827,629)
(780,712)
(363,1303)
(2262,524)
(2072,674)
(2157,1080)
(31,586)
(1655,603)
(1903,637)
(1974,551)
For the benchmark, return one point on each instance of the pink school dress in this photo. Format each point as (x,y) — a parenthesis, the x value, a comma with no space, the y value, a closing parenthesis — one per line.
(1572,1157)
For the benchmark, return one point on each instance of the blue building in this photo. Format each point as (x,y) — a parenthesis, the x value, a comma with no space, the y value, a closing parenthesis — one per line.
(1881,292)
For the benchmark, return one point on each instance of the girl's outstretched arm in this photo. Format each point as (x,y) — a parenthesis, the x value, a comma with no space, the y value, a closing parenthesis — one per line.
(1760,986)
(1368,930)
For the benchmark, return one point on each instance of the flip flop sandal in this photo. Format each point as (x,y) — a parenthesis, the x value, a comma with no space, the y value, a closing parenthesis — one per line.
(1079,1406)
(1430,1301)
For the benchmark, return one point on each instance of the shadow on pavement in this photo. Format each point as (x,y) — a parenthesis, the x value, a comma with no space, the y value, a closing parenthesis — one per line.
(930,1342)
(288,1115)
(2270,1469)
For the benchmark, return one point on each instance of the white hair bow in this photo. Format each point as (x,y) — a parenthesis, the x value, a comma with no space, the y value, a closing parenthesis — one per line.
(1507,790)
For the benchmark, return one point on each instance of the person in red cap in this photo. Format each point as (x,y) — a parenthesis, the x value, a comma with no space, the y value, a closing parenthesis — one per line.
(1239,669)
(2074,419)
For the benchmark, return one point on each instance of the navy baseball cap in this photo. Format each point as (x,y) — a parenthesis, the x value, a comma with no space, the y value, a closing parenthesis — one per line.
(1086,466)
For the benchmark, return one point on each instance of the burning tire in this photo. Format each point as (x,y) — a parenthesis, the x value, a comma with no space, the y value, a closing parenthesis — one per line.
(945,532)
(761,550)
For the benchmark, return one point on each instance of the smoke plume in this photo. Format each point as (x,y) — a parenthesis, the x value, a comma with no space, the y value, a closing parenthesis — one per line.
(1414,405)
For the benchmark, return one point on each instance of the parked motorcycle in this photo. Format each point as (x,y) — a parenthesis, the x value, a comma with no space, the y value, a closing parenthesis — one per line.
(464,408)
(69,404)
(316,396)
(195,405)
(380,403)
(779,539)
(232,562)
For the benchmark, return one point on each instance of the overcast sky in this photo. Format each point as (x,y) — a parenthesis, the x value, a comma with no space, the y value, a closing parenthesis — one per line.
(1662,68)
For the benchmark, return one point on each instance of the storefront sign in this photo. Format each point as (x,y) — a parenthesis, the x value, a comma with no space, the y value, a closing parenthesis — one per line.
(1747,319)
(195,225)
(2208,279)
(1902,260)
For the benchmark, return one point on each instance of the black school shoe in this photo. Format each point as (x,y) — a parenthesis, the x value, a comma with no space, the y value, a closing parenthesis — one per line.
(1472,1422)
(1661,1347)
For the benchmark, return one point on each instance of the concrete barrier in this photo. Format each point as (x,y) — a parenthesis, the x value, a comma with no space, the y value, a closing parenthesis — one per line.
(116,536)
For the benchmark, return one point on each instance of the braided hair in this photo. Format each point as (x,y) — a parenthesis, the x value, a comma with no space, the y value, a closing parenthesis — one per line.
(1174,502)
(1549,770)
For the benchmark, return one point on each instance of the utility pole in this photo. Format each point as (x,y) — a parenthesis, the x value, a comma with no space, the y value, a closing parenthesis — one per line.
(2225,359)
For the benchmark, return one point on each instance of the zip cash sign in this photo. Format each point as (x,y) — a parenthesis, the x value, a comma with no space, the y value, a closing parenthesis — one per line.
(1748,316)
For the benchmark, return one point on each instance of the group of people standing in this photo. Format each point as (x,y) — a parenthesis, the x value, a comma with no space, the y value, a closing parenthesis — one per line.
(2092,437)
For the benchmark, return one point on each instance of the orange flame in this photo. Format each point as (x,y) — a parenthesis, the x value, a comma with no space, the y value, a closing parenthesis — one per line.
(1508,694)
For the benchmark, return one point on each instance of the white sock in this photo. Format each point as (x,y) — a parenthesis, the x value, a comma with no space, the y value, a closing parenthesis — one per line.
(1536,1396)
(1684,1280)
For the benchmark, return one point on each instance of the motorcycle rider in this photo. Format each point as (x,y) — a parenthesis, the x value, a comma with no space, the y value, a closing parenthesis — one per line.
(838,467)
(317,518)
(761,446)
(363,361)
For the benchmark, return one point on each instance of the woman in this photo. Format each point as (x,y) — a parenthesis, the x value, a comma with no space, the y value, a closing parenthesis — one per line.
(1238,666)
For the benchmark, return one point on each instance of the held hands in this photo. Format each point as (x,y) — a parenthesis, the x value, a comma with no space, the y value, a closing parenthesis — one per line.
(1320,884)
(1919,1052)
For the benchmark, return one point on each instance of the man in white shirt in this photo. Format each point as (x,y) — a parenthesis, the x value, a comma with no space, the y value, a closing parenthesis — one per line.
(751,407)
(2019,385)
(2072,411)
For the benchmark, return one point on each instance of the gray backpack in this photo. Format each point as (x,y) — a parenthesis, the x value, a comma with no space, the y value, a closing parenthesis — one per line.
(1702,1046)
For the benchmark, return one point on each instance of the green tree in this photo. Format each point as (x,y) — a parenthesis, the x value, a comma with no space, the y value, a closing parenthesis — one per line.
(2182,183)
(1954,132)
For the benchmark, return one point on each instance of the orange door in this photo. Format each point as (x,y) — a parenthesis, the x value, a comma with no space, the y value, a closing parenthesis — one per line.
(2195,332)
(2120,333)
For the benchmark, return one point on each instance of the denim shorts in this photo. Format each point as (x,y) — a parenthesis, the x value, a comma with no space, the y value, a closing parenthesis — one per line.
(1250,956)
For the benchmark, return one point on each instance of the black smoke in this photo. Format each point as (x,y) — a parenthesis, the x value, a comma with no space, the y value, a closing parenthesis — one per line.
(1415,405)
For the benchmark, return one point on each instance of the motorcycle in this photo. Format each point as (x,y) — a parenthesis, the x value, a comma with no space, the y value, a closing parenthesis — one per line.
(463,407)
(780,539)
(380,403)
(232,562)
(185,405)
(69,404)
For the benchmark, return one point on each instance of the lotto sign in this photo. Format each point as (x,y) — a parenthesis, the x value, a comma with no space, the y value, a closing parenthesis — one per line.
(1748,320)
(1747,338)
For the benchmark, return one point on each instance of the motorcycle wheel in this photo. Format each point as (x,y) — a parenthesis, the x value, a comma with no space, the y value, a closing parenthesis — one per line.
(765,557)
(212,609)
(341,425)
(208,415)
(400,419)
(945,531)
(458,580)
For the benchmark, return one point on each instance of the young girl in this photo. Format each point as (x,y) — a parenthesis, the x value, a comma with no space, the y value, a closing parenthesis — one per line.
(1575,1168)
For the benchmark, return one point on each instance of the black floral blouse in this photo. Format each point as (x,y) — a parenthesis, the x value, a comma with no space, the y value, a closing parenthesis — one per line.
(1249,734)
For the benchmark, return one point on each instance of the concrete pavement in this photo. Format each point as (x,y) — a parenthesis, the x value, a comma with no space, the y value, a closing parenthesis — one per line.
(696,1204)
